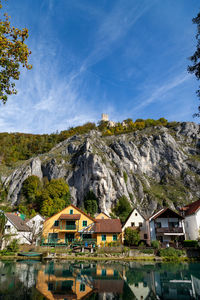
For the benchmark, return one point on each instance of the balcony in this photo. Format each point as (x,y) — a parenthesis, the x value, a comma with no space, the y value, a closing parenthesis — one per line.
(169,230)
(68,227)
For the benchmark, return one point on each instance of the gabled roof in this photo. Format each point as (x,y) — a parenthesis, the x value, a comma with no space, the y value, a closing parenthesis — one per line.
(82,212)
(100,214)
(191,208)
(108,226)
(131,214)
(164,212)
(19,224)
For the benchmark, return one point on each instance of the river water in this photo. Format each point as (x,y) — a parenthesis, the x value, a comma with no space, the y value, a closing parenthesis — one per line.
(70,280)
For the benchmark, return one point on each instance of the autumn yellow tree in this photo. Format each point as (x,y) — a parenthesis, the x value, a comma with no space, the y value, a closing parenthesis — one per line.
(13,54)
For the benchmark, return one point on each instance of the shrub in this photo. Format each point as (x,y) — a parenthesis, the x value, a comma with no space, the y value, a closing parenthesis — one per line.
(171,252)
(155,244)
(131,236)
(190,243)
(147,251)
(13,246)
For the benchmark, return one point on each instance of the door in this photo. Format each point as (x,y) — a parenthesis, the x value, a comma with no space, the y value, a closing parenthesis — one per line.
(69,237)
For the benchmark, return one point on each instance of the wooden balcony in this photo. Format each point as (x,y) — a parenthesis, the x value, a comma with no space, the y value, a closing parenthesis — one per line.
(169,230)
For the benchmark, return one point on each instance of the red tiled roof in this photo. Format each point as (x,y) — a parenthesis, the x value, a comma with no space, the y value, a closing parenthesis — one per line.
(191,208)
(108,226)
(70,217)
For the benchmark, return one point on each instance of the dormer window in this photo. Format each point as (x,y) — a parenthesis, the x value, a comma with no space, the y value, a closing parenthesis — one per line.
(71,212)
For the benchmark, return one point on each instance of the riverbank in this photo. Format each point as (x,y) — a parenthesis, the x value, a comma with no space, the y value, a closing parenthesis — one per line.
(151,258)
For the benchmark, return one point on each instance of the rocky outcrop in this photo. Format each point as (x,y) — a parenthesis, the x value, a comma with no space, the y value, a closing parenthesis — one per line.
(151,167)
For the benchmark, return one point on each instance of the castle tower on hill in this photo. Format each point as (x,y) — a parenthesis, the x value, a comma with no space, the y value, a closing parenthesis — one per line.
(104,117)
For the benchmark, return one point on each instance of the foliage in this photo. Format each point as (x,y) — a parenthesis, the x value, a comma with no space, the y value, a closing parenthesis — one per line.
(54,197)
(171,252)
(2,227)
(147,251)
(155,244)
(13,54)
(131,237)
(190,243)
(91,203)
(125,176)
(13,246)
(30,188)
(123,208)
(195,58)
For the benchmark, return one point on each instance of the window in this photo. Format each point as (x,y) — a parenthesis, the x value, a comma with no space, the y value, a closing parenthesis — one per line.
(103,237)
(133,224)
(158,224)
(50,286)
(82,287)
(7,227)
(103,272)
(135,214)
(140,224)
(71,212)
(114,237)
(41,222)
(33,222)
(145,236)
(56,223)
(84,223)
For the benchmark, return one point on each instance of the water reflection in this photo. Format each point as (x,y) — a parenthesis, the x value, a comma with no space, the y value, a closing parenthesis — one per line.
(102,281)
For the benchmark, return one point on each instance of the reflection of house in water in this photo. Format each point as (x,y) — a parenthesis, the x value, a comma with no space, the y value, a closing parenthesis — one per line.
(78,281)
(180,286)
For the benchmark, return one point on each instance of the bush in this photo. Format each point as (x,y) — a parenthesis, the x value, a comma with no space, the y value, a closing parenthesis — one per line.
(131,236)
(13,246)
(190,243)
(171,252)
(147,251)
(155,244)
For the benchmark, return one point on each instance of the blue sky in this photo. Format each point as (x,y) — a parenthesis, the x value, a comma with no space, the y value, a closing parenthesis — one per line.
(127,58)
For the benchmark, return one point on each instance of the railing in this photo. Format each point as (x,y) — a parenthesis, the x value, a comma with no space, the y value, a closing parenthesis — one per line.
(68,227)
(169,230)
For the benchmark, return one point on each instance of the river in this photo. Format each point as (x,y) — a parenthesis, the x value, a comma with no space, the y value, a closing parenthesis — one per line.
(68,280)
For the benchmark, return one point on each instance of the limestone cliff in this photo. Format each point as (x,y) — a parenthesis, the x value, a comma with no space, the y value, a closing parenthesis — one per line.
(152,167)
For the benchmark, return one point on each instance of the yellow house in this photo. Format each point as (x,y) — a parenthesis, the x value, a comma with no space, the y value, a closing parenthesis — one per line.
(102,215)
(66,225)
(73,224)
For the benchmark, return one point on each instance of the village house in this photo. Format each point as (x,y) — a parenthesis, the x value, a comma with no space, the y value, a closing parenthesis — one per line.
(191,212)
(17,228)
(36,226)
(136,221)
(73,224)
(102,215)
(167,226)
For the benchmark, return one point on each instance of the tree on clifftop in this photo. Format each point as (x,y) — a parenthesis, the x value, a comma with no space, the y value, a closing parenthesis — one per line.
(13,54)
(195,58)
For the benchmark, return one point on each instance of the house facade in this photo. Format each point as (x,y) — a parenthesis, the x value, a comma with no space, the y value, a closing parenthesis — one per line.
(17,229)
(167,226)
(136,221)
(36,226)
(191,212)
(73,224)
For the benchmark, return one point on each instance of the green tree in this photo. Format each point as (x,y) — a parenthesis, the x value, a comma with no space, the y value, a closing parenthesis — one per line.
(131,237)
(195,58)
(13,54)
(91,203)
(123,208)
(30,188)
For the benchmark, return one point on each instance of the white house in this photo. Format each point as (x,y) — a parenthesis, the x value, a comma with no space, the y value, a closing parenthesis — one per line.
(192,220)
(166,226)
(36,226)
(135,220)
(17,229)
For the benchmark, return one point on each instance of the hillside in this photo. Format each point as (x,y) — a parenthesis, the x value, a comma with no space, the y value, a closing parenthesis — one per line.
(154,166)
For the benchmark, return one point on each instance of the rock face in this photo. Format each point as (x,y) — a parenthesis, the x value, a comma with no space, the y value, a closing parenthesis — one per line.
(151,167)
